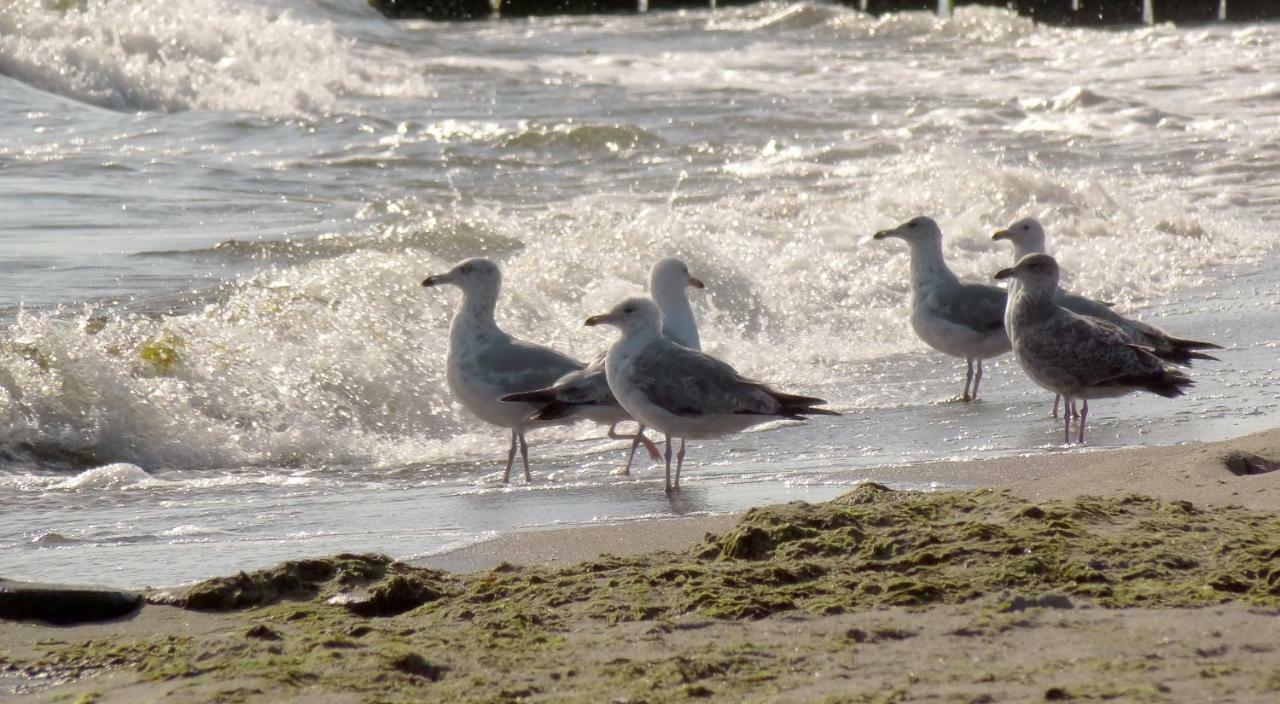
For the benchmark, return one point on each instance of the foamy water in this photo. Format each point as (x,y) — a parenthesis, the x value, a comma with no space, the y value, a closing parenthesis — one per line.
(217,352)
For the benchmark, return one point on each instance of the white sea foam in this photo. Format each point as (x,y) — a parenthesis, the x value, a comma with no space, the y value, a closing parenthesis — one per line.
(112,476)
(200,54)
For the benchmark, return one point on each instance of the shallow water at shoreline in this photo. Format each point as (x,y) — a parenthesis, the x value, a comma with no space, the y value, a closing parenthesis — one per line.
(216,354)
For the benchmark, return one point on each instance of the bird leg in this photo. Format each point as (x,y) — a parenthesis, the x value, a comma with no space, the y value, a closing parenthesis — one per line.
(636,439)
(511,457)
(1084,415)
(679,462)
(977,379)
(1066,421)
(524,455)
(1056,399)
(968,377)
(668,464)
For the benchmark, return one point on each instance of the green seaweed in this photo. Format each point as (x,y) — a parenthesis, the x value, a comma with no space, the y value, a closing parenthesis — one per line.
(310,622)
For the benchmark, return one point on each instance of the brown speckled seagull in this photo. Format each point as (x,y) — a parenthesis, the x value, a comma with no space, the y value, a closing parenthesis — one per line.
(1075,355)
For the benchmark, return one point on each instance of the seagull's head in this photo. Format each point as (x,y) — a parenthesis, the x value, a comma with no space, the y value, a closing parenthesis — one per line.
(631,314)
(1027,236)
(475,274)
(917,229)
(670,275)
(1033,270)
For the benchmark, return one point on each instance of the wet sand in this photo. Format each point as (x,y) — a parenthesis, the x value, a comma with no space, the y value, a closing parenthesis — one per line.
(1021,592)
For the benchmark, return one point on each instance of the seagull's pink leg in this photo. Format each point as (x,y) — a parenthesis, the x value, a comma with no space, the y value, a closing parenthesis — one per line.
(1066,423)
(1084,414)
(1056,399)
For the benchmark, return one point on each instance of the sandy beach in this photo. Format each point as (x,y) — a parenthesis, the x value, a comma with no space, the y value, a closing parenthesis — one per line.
(1130,575)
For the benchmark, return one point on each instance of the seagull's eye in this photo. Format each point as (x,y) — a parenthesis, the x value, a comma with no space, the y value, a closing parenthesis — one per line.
(466,269)
(629,309)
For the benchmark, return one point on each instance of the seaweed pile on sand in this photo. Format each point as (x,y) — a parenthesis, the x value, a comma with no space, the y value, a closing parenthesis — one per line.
(383,630)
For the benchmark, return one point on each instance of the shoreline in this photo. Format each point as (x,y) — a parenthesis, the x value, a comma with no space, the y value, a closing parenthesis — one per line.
(869,596)
(1197,472)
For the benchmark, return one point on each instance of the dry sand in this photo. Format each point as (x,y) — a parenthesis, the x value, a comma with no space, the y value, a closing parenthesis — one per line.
(651,630)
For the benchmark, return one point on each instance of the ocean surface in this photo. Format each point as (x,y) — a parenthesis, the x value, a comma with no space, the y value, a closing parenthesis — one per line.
(215,352)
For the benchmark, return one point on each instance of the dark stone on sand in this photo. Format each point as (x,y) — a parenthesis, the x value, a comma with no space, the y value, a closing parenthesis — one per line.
(61,605)
(433,9)
(1242,464)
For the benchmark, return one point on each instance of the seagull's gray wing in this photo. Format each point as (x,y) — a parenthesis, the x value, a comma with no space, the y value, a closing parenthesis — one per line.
(976,306)
(589,385)
(517,365)
(686,382)
(1081,305)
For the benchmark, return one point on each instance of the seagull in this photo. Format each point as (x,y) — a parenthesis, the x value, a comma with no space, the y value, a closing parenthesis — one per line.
(1027,236)
(486,363)
(1077,356)
(682,392)
(585,393)
(960,319)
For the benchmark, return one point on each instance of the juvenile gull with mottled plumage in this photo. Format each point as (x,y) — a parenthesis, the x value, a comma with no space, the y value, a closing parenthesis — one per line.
(485,363)
(682,392)
(960,319)
(1027,237)
(1075,355)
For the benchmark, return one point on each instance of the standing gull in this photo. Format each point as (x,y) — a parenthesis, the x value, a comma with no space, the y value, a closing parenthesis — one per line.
(585,393)
(1027,237)
(960,319)
(682,392)
(486,363)
(1075,355)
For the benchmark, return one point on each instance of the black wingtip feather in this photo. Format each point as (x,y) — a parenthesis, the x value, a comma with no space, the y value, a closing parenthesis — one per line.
(536,396)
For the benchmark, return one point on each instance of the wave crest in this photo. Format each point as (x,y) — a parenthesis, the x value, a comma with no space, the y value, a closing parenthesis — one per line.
(201,54)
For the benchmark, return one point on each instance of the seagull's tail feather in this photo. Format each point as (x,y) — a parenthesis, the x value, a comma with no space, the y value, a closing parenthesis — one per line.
(1183,351)
(547,395)
(797,407)
(1168,382)
(1169,348)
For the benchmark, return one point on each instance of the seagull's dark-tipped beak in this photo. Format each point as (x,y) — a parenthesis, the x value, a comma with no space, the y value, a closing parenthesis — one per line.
(596,320)
(882,234)
(1004,274)
(696,282)
(1000,235)
(431,281)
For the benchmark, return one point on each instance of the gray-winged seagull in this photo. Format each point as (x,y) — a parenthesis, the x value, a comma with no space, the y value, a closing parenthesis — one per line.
(485,363)
(681,392)
(960,319)
(586,394)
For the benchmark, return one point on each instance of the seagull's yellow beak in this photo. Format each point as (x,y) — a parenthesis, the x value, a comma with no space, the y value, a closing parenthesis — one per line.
(696,282)
(1001,235)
